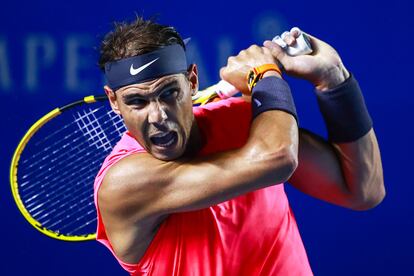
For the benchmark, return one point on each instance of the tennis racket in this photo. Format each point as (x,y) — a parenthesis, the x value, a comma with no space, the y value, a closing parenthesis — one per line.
(55,164)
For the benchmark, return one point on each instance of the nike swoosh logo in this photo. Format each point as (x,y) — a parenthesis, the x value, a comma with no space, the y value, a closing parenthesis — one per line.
(258,103)
(134,71)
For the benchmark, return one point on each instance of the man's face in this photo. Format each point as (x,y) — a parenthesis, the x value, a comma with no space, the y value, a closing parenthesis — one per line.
(158,114)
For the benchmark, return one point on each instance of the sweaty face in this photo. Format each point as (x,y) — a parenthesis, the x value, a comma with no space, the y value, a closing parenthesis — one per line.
(158,114)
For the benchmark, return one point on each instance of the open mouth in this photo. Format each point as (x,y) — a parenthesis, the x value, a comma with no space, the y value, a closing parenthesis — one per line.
(165,139)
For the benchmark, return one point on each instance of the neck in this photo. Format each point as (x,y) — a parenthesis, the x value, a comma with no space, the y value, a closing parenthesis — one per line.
(195,142)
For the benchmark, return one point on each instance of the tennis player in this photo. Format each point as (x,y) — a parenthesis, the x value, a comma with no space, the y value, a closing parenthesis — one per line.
(199,191)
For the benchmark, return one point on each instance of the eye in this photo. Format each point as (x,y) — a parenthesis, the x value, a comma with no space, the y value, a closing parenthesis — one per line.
(168,94)
(136,102)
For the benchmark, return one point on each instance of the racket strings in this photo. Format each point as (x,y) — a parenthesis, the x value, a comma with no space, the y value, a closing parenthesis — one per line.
(63,142)
(77,155)
(80,158)
(56,196)
(89,125)
(63,198)
(58,168)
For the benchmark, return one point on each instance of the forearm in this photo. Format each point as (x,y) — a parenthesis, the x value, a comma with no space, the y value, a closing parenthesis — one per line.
(362,171)
(273,132)
(344,174)
(344,169)
(350,133)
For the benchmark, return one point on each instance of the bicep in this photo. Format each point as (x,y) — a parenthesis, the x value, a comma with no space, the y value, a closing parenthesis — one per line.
(319,173)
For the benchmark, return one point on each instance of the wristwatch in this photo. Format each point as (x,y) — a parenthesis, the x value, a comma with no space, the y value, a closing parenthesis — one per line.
(257,73)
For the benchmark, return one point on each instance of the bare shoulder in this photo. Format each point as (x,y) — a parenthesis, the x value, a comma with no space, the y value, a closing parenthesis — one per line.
(127,203)
(133,182)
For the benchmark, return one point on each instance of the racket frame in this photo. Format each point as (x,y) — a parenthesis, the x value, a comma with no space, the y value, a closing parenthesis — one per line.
(15,164)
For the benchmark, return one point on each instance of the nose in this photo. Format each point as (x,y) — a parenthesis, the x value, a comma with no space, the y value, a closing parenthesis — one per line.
(156,113)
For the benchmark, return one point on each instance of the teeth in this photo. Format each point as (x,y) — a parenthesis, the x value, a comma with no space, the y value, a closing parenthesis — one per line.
(169,143)
(160,135)
(164,139)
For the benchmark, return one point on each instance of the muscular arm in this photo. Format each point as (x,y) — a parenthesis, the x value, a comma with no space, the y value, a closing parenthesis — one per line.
(347,174)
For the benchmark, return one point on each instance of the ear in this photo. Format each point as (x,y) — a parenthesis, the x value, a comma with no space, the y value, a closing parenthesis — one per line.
(193,77)
(112,99)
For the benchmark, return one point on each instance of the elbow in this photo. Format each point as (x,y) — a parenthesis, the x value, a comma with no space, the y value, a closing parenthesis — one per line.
(291,163)
(283,164)
(369,200)
(274,163)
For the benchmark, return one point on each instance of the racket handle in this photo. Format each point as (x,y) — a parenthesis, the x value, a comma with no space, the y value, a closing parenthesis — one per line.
(302,47)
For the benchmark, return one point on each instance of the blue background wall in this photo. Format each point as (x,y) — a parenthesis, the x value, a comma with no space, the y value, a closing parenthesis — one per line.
(47,59)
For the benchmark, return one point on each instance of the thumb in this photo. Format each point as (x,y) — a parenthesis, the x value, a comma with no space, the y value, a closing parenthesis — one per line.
(278,53)
(222,69)
(225,73)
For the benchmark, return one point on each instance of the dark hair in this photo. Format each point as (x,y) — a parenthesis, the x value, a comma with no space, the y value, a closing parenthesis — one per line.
(134,38)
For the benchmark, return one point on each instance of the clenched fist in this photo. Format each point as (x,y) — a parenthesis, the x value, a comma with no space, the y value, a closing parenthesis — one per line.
(239,66)
(324,68)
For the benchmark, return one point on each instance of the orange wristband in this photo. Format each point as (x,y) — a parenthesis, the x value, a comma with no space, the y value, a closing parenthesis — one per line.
(257,73)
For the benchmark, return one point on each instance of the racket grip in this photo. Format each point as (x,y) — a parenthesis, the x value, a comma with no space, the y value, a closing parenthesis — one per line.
(302,47)
(225,90)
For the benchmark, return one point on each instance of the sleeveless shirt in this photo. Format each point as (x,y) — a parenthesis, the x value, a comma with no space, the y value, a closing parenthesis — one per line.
(252,234)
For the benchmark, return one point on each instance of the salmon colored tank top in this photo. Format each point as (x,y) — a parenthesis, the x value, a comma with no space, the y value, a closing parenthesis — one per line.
(253,234)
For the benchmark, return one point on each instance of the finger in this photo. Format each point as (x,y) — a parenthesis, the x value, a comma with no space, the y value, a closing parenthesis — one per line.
(277,39)
(278,53)
(242,53)
(230,60)
(289,39)
(284,35)
(267,51)
(226,72)
(223,72)
(254,49)
(295,32)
